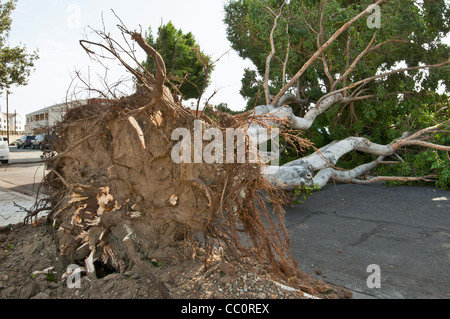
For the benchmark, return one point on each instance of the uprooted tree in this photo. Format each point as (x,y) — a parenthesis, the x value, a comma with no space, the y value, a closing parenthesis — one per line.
(117,195)
(373,71)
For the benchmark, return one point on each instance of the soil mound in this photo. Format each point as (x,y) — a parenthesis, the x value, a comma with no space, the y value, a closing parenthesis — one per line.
(29,249)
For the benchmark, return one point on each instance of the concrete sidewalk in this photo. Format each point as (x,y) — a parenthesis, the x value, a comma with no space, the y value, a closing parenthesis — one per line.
(9,213)
(19,184)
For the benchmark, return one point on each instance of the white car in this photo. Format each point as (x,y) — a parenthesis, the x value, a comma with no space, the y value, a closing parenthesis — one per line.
(4,151)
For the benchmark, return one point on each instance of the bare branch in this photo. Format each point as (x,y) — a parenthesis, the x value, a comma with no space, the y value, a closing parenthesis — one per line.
(424,131)
(320,51)
(353,65)
(160,65)
(272,52)
(367,80)
(85,43)
(424,144)
(320,39)
(286,59)
(370,180)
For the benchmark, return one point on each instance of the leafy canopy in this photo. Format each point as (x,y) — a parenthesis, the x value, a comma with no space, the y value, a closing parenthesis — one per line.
(16,64)
(185,62)
(410,35)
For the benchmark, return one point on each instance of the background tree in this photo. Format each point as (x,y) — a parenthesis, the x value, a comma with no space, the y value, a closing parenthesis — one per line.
(188,68)
(410,36)
(252,89)
(16,64)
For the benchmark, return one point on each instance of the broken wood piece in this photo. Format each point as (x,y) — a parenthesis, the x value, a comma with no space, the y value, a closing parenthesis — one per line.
(46,271)
(138,129)
(173,200)
(89,263)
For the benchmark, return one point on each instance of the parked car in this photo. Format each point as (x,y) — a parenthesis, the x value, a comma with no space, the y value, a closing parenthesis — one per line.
(25,141)
(47,142)
(4,152)
(38,141)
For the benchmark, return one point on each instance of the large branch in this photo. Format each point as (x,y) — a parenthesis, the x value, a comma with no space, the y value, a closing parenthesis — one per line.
(286,115)
(292,98)
(274,115)
(328,100)
(301,171)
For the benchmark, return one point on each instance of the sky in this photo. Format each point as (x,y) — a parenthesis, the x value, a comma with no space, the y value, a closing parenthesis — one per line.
(54,28)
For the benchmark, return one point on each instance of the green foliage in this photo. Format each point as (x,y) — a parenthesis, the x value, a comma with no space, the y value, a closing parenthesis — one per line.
(185,62)
(223,107)
(212,111)
(16,64)
(420,161)
(411,34)
(249,24)
(304,192)
(156,263)
(252,89)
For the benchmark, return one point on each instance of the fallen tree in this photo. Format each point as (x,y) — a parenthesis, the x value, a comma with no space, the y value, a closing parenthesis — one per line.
(118,196)
(333,74)
(319,168)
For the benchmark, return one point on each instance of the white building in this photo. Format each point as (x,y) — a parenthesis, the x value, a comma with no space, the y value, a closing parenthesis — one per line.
(40,120)
(16,123)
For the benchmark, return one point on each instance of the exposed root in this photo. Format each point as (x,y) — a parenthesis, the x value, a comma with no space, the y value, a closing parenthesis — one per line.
(108,178)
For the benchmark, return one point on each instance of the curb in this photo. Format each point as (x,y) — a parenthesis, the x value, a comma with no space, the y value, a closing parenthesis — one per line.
(4,188)
(8,213)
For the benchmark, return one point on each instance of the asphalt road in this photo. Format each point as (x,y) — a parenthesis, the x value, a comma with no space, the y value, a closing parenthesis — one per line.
(405,231)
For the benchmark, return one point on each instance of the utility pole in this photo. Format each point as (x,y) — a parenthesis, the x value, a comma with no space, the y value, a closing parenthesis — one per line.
(7,117)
